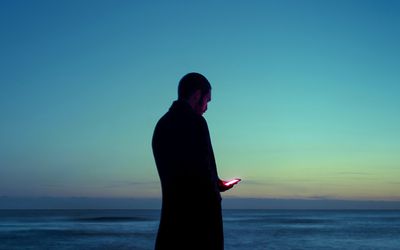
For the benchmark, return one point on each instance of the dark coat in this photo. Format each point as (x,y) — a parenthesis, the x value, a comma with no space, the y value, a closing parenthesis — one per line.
(191,201)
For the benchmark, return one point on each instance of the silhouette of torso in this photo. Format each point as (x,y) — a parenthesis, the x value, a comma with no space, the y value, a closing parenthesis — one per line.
(191,202)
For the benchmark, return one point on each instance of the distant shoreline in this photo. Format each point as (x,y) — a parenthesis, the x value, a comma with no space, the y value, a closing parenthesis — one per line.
(88,203)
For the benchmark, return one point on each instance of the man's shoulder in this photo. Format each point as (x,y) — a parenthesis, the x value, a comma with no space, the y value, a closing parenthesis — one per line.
(182,120)
(180,112)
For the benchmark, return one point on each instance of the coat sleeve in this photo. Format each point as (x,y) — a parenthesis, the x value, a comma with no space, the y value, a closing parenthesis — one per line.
(204,158)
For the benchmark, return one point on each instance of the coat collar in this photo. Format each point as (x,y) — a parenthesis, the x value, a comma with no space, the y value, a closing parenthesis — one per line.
(181,106)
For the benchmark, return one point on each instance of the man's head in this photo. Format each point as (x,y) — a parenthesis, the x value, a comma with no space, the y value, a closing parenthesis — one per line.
(195,89)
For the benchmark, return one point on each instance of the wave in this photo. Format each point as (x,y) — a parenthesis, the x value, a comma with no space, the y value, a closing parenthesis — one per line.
(57,232)
(111,219)
(271,220)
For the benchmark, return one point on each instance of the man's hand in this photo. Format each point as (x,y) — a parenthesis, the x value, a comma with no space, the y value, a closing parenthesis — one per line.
(226,185)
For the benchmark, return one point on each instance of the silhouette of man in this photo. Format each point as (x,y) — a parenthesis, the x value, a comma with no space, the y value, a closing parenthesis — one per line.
(191,202)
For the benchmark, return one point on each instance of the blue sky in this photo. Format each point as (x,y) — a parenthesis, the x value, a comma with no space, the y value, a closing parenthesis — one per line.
(305,95)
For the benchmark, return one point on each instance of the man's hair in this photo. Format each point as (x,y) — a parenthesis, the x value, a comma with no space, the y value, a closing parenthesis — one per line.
(192,82)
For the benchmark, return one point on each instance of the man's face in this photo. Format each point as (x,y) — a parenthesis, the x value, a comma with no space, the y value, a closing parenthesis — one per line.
(201,106)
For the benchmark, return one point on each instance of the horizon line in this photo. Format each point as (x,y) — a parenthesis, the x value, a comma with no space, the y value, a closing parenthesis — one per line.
(7,202)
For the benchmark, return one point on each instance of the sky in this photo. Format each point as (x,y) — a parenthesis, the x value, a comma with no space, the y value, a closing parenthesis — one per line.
(305,95)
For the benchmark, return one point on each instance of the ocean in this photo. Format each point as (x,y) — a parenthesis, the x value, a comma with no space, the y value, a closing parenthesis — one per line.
(243,229)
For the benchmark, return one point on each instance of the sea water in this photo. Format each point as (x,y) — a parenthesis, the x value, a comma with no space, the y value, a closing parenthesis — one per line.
(243,229)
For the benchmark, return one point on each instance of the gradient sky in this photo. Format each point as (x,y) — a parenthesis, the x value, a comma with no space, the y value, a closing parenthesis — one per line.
(306,95)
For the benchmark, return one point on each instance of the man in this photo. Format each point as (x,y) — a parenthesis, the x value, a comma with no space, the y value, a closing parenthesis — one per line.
(191,201)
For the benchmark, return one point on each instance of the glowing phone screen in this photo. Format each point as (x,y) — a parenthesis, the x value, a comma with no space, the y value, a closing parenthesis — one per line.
(231,182)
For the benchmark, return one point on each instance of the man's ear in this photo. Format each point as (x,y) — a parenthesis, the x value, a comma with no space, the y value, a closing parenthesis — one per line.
(197,95)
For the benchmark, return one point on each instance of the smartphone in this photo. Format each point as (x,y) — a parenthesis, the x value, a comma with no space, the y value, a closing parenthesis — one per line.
(234,181)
